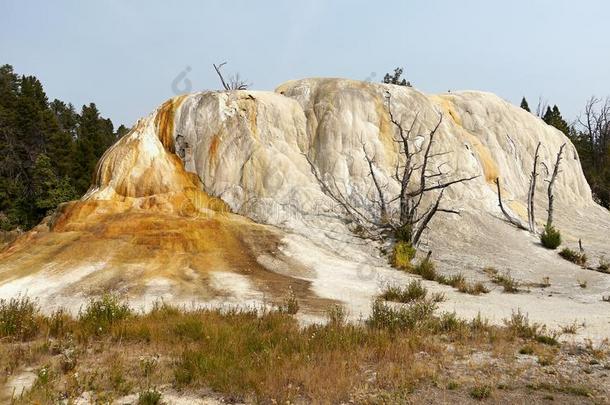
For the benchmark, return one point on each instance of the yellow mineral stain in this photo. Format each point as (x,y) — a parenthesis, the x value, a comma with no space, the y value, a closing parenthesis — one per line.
(490,168)
(164,121)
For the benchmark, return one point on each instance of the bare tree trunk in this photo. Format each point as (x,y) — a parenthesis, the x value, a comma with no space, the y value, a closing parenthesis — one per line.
(508,217)
(532,191)
(549,220)
(217,68)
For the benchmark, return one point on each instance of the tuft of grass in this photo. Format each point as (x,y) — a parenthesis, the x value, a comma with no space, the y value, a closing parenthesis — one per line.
(550,238)
(458,281)
(412,292)
(573,256)
(291,304)
(18,318)
(101,313)
(336,315)
(582,283)
(570,329)
(480,392)
(426,269)
(418,314)
(503,279)
(149,397)
(402,255)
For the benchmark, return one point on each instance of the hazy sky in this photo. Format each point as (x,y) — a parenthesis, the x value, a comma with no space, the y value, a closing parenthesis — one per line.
(124,55)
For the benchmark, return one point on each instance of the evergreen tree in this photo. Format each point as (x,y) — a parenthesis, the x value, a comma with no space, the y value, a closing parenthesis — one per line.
(553,117)
(396,78)
(47,150)
(524,105)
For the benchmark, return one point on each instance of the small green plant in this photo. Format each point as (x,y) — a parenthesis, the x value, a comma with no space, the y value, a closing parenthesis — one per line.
(290,305)
(101,313)
(606,298)
(336,315)
(546,282)
(505,280)
(417,314)
(582,283)
(402,255)
(527,349)
(480,392)
(550,238)
(452,385)
(426,269)
(413,291)
(190,328)
(573,256)
(149,397)
(520,325)
(459,282)
(18,318)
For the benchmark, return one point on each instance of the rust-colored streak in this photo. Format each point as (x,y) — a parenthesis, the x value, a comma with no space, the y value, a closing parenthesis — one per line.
(164,122)
(213,151)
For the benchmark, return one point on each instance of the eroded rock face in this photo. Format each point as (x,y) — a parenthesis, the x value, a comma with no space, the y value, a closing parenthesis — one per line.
(172,200)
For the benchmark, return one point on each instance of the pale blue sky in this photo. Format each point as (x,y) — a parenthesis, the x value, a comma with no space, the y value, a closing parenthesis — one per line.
(124,55)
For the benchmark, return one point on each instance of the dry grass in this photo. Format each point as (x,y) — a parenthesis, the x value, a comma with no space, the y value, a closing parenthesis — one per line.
(255,355)
(505,280)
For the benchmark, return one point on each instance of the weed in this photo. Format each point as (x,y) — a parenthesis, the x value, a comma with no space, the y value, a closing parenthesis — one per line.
(336,315)
(18,318)
(101,313)
(505,280)
(291,304)
(402,255)
(480,392)
(426,269)
(573,256)
(412,292)
(582,283)
(604,265)
(149,397)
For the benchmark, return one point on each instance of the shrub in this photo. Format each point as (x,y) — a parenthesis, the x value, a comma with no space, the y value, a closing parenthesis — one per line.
(505,280)
(101,313)
(417,314)
(291,304)
(18,318)
(402,255)
(459,282)
(149,397)
(550,238)
(413,291)
(519,325)
(426,269)
(336,315)
(480,392)
(574,257)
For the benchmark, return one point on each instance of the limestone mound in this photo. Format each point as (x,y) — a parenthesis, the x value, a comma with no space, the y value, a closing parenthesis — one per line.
(211,199)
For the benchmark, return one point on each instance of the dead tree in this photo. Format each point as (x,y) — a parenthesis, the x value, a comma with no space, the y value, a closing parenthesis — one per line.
(531,219)
(419,179)
(549,220)
(234,83)
(516,222)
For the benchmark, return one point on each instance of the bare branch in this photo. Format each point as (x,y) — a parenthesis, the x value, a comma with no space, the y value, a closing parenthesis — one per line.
(509,218)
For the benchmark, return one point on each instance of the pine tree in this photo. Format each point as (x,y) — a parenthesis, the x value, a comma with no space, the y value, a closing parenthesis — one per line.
(524,105)
(396,78)
(553,117)
(48,188)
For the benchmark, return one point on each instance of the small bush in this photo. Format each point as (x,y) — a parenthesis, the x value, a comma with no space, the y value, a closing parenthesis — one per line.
(101,313)
(189,328)
(402,255)
(550,238)
(18,318)
(415,315)
(149,397)
(519,325)
(336,315)
(459,282)
(426,269)
(505,280)
(574,257)
(480,392)
(413,291)
(290,305)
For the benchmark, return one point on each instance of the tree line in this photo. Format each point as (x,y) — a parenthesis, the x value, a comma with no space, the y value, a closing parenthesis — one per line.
(48,150)
(590,134)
